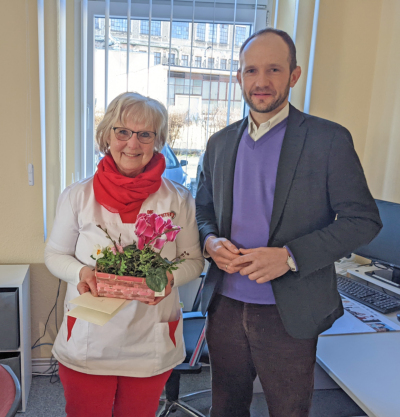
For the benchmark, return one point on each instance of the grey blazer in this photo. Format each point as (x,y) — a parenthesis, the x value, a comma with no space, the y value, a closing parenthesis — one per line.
(319,178)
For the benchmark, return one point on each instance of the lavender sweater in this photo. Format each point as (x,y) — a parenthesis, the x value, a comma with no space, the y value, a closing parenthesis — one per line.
(253,199)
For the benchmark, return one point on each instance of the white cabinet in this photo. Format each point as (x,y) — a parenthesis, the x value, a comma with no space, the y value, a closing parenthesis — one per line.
(14,279)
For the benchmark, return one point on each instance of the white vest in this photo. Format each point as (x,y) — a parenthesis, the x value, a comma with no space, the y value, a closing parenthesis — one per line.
(138,341)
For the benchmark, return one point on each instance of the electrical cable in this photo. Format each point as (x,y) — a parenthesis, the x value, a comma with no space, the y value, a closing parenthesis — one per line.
(48,317)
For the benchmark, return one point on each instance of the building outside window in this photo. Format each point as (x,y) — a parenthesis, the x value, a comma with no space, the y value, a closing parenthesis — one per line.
(155,27)
(171,59)
(235,65)
(240,35)
(180,30)
(201,32)
(185,60)
(118,25)
(223,34)
(203,92)
(157,58)
(212,33)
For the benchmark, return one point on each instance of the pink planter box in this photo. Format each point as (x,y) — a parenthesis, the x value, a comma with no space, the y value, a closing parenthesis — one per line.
(117,286)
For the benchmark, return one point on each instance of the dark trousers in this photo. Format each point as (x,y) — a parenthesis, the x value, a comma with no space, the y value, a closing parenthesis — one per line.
(246,340)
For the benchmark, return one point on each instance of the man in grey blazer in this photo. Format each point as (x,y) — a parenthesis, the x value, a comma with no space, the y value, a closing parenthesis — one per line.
(281,197)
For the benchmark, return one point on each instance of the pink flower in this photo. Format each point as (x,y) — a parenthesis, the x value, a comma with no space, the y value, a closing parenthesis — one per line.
(150,227)
(112,249)
(140,226)
(171,236)
(141,242)
(159,243)
(159,225)
(120,249)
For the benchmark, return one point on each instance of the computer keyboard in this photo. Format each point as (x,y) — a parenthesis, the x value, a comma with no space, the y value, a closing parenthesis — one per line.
(375,299)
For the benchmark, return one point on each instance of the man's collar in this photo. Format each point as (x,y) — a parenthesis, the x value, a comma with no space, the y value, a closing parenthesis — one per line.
(269,124)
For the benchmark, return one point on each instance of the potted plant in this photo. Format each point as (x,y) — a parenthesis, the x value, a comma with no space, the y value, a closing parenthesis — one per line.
(137,271)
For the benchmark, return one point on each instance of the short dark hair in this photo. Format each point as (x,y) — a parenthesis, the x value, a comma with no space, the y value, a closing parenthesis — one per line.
(287,39)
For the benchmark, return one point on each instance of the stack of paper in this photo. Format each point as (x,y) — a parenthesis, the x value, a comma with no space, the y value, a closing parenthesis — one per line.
(97,310)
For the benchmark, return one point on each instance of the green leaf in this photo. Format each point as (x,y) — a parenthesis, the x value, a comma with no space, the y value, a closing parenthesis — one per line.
(156,279)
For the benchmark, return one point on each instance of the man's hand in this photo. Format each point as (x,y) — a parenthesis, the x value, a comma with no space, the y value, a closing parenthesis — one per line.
(262,264)
(168,290)
(222,251)
(87,281)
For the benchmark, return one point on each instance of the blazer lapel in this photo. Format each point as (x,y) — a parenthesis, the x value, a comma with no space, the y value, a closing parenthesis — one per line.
(232,141)
(292,146)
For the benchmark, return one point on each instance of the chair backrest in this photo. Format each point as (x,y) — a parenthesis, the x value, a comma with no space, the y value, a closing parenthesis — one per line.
(10,392)
(196,315)
(197,299)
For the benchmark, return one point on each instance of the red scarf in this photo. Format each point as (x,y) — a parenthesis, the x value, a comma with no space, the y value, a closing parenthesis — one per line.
(125,195)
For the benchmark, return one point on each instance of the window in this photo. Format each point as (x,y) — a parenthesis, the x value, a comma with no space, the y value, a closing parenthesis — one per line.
(198,101)
(118,25)
(180,30)
(98,23)
(155,27)
(171,59)
(240,35)
(212,33)
(235,65)
(223,34)
(185,60)
(201,32)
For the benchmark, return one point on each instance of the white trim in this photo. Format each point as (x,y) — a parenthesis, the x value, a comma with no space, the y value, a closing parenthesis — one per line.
(83,171)
(276,13)
(62,57)
(148,45)
(296,17)
(169,49)
(307,98)
(128,41)
(106,46)
(42,95)
(228,113)
(41,365)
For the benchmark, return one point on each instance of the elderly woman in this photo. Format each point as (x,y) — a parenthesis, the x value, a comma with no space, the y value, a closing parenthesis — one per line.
(123,365)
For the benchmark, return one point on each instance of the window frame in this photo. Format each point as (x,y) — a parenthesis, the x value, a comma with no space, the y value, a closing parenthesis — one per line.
(140,11)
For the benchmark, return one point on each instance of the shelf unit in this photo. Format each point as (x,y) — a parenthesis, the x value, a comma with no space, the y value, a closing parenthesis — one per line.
(17,276)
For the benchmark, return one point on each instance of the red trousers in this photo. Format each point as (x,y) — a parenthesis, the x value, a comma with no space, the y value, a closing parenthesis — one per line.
(96,395)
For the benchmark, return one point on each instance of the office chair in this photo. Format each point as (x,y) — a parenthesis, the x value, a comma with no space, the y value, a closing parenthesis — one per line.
(10,392)
(196,354)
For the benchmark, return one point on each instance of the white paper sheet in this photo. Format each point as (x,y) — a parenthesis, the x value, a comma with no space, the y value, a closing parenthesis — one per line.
(101,304)
(94,316)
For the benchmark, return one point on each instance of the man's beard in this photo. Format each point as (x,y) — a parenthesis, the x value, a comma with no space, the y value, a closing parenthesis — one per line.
(266,108)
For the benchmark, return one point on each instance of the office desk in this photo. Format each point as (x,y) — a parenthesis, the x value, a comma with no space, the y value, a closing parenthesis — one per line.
(366,367)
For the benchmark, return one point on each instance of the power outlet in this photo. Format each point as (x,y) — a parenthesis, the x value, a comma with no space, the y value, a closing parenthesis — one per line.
(30,175)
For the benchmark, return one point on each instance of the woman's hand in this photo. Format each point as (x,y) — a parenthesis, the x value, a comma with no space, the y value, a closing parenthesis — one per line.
(87,281)
(168,290)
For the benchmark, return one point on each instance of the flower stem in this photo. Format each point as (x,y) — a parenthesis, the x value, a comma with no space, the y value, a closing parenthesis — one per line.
(113,241)
(158,236)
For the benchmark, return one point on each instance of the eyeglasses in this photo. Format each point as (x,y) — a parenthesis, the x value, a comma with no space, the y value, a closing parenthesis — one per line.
(124,134)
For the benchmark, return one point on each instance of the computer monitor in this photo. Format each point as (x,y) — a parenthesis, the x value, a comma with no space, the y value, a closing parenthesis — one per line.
(384,249)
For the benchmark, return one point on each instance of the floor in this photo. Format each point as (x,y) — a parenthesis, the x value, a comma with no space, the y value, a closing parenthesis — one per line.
(46,399)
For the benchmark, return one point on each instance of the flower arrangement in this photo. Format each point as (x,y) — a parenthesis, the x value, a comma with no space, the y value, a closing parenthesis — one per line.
(144,258)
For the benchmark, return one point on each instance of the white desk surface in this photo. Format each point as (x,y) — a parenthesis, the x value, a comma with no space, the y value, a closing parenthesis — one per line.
(12,275)
(366,367)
